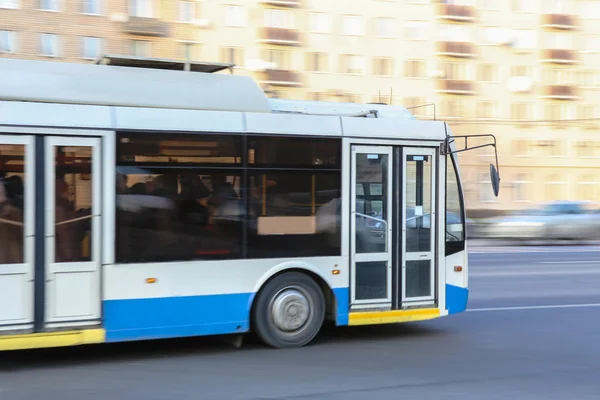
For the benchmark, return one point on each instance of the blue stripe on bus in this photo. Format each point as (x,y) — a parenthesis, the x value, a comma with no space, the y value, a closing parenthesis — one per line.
(456,299)
(171,317)
(342,298)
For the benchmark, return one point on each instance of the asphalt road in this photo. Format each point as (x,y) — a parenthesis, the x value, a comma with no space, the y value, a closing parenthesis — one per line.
(532,332)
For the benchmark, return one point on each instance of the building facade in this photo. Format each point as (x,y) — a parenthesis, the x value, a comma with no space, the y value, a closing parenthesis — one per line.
(524,70)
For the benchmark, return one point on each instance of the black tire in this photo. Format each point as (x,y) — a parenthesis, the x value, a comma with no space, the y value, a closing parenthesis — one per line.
(291,284)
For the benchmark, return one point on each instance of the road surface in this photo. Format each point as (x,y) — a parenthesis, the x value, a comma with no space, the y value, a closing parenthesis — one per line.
(532,332)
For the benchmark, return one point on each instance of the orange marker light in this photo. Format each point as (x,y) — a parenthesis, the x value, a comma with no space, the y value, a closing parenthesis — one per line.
(335,272)
(457,268)
(151,280)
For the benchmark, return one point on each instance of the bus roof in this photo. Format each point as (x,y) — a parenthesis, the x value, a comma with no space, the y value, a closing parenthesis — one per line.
(127,81)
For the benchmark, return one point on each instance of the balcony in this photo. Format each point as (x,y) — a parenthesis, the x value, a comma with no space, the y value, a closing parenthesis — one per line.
(146,27)
(456,49)
(557,56)
(280,36)
(560,92)
(281,77)
(283,3)
(454,12)
(455,86)
(559,21)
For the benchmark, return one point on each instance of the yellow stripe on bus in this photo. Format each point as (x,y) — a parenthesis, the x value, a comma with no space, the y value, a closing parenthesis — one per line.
(389,317)
(52,339)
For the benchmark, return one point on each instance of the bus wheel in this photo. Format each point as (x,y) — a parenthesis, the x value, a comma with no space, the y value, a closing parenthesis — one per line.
(289,311)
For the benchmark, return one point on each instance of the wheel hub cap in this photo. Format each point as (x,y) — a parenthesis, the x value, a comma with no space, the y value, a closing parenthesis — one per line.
(290,310)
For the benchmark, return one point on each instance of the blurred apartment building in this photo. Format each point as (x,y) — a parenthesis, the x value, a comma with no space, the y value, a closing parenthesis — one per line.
(524,70)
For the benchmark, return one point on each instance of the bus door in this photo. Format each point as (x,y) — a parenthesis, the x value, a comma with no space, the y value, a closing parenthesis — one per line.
(418,226)
(72,230)
(371,226)
(16,232)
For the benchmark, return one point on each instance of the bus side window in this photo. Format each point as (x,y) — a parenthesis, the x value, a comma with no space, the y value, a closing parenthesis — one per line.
(455,224)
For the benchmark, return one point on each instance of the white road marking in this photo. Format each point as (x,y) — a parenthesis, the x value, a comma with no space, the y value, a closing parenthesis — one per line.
(590,305)
(515,250)
(569,262)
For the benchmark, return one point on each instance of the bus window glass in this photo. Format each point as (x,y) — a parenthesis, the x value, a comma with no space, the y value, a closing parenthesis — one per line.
(186,197)
(294,214)
(286,152)
(179,149)
(179,198)
(294,201)
(73,204)
(12,177)
(454,214)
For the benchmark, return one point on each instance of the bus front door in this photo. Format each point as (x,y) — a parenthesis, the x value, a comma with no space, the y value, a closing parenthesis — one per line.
(418,226)
(371,227)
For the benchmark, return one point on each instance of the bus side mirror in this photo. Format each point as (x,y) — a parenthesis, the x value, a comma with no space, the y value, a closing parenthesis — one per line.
(495,178)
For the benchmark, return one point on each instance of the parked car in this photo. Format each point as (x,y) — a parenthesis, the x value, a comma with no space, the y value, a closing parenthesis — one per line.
(561,220)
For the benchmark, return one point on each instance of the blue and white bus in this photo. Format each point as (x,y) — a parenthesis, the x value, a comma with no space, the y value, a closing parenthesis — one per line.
(147,199)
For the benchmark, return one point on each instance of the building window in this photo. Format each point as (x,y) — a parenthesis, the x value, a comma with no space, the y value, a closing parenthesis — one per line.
(486,109)
(317,62)
(415,68)
(385,27)
(490,4)
(352,64)
(524,6)
(49,45)
(319,23)
(455,33)
(456,71)
(558,7)
(452,108)
(285,204)
(92,46)
(493,36)
(521,188)
(49,5)
(188,51)
(281,58)
(559,40)
(282,19)
(236,16)
(521,112)
(8,42)
(521,70)
(383,66)
(352,25)
(589,9)
(485,188)
(556,113)
(91,7)
(587,188)
(586,148)
(141,8)
(187,11)
(416,30)
(10,4)
(488,73)
(555,188)
(141,48)
(232,55)
(524,39)
(522,148)
(551,148)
